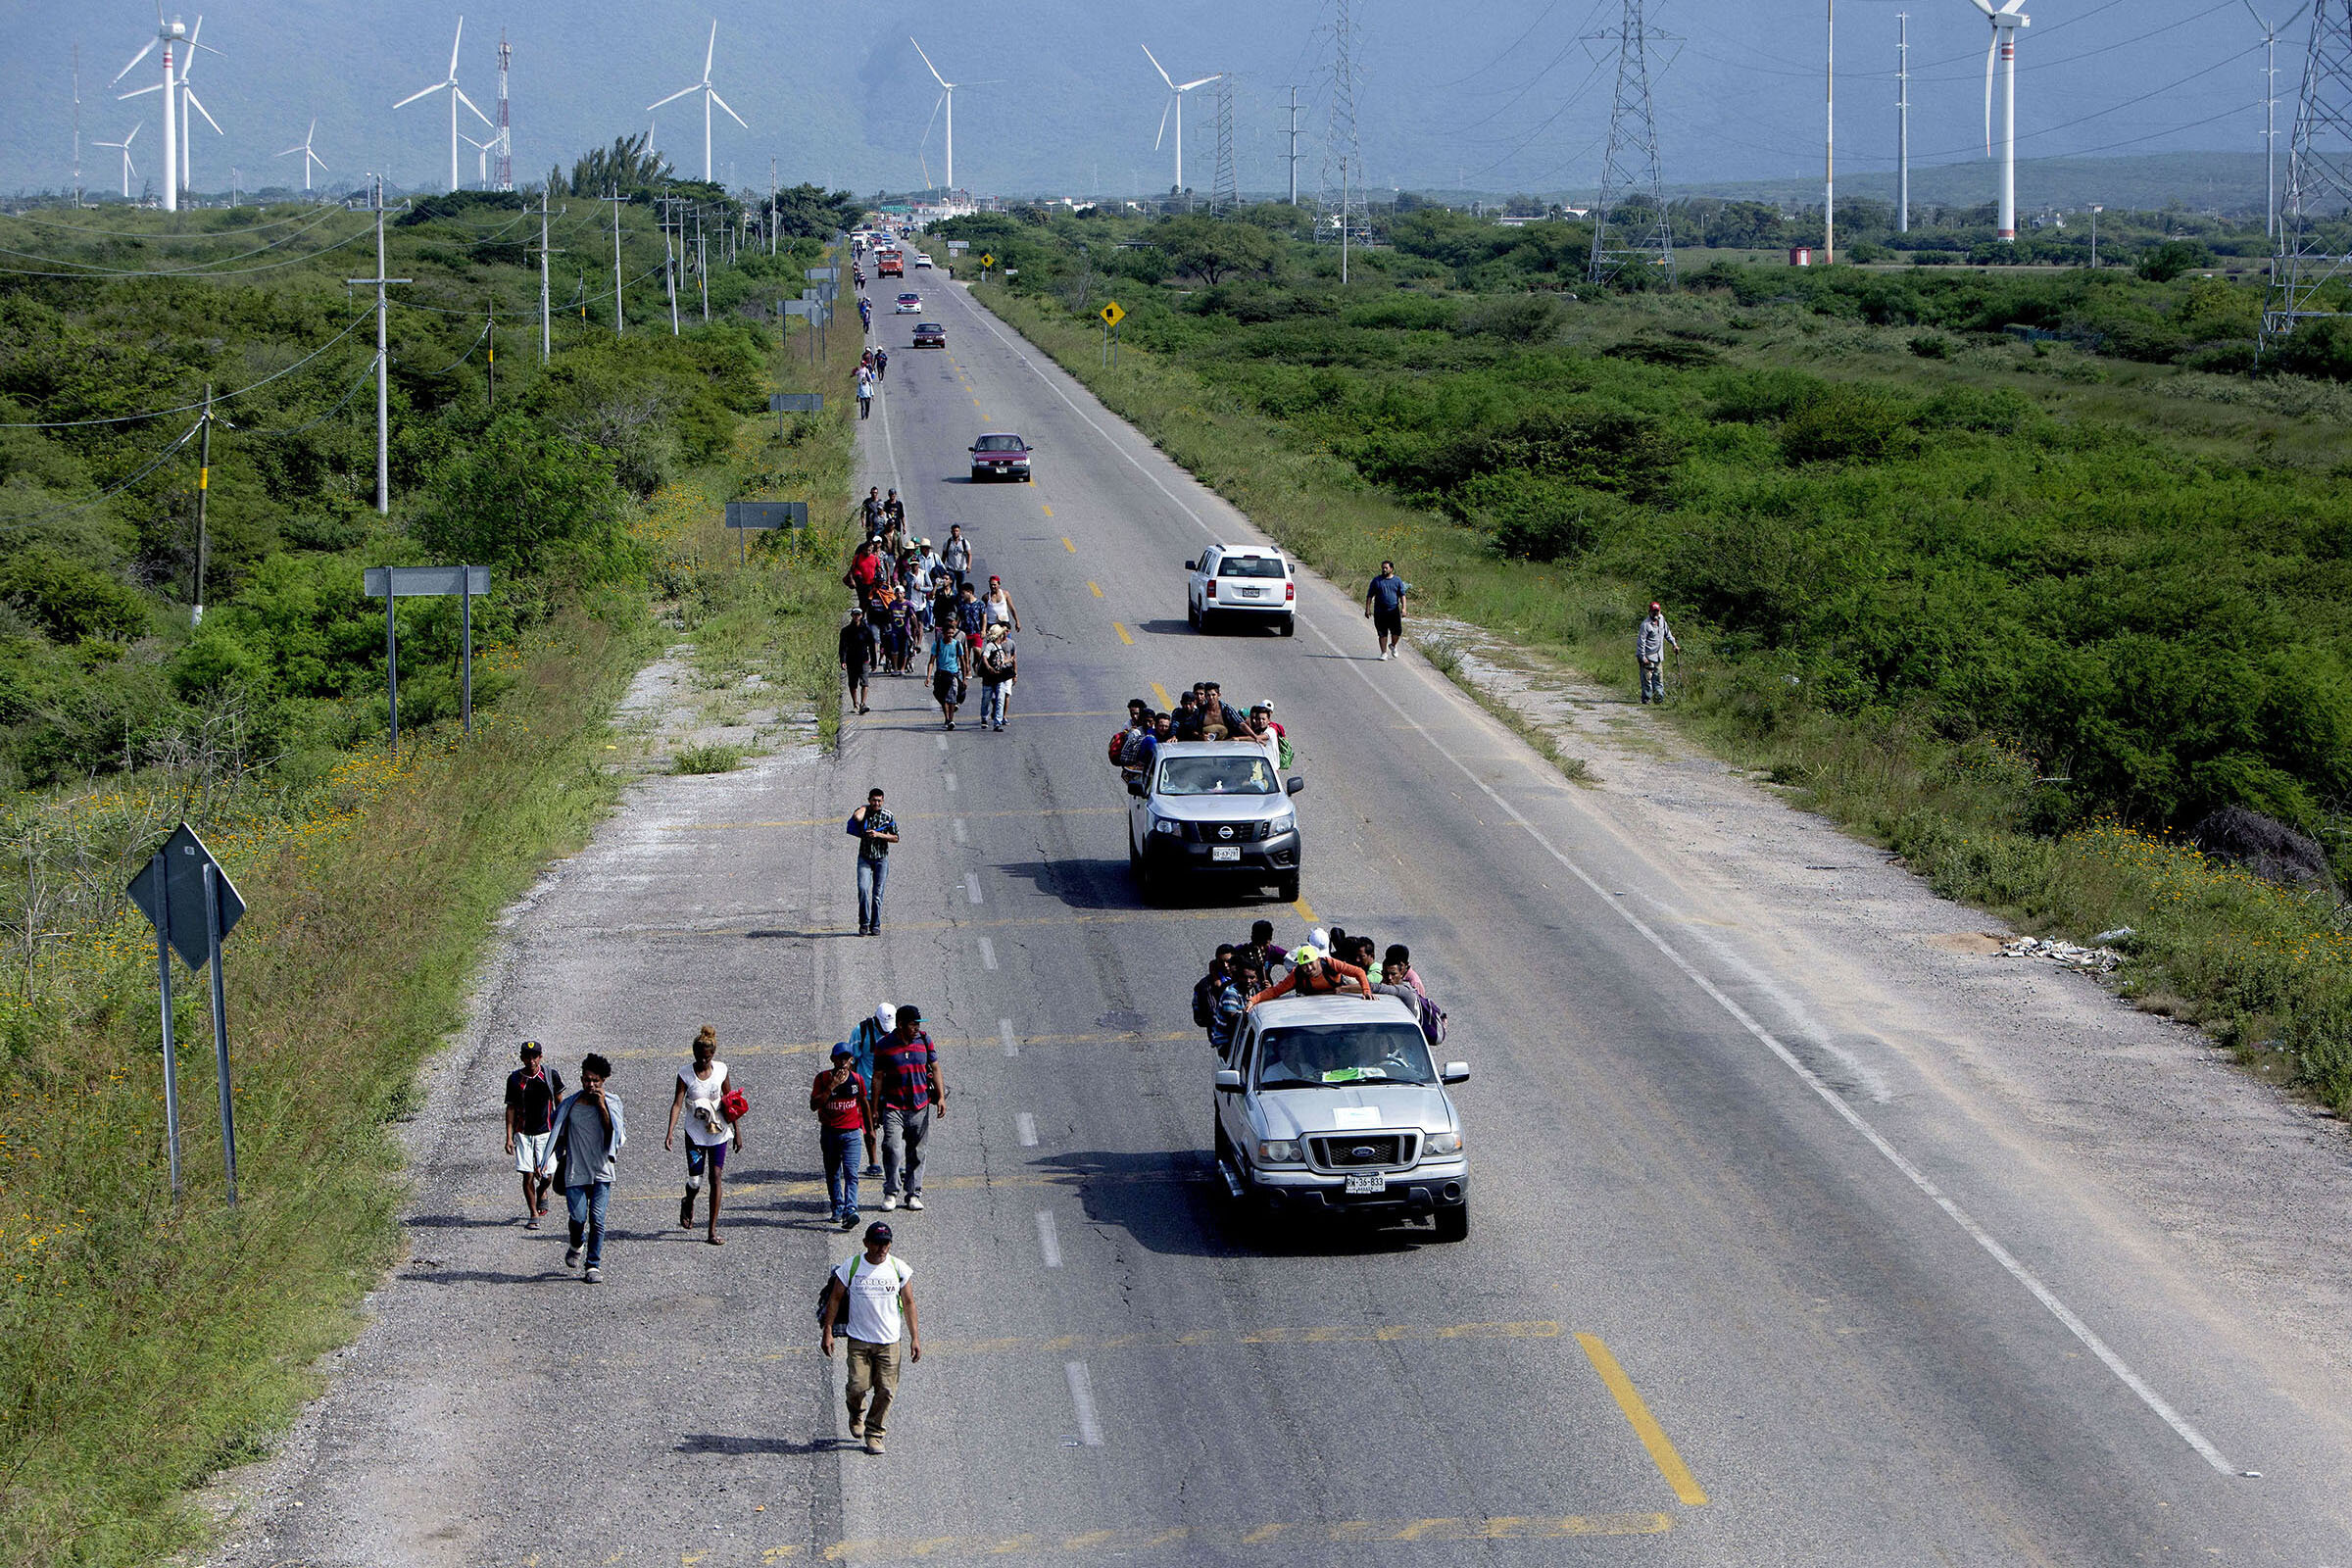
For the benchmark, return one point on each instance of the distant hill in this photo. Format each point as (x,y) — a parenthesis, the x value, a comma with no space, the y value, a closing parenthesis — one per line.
(2229,183)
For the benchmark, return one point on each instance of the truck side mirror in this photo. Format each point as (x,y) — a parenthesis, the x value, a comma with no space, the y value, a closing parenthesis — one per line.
(1229,1081)
(1191,566)
(1456,1072)
(1294,786)
(1136,786)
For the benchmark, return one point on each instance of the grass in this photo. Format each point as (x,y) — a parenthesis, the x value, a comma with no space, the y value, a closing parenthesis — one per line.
(145,1347)
(2267,971)
(707,759)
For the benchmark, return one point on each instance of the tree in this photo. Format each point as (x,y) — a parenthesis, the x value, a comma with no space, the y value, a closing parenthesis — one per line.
(520,498)
(1213,249)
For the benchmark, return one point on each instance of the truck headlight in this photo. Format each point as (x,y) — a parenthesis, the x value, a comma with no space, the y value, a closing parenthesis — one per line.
(1278,1152)
(1286,823)
(1443,1144)
(1164,825)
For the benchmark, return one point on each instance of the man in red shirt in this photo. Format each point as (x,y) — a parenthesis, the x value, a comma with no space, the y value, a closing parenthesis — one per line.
(840,1098)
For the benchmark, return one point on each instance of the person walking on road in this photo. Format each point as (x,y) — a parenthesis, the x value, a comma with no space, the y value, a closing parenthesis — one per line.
(863,1042)
(908,1091)
(533,1091)
(840,1096)
(858,647)
(870,1303)
(997,605)
(865,392)
(702,1095)
(957,554)
(586,1142)
(998,666)
(1384,607)
(881,364)
(875,831)
(1650,643)
(872,509)
(946,667)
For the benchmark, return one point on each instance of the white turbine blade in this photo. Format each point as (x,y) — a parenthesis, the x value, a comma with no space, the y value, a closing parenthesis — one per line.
(468,102)
(1982,5)
(927,124)
(1156,65)
(139,92)
(134,59)
(1202,82)
(420,93)
(731,114)
(1163,121)
(135,133)
(1991,49)
(674,97)
(127,163)
(197,104)
(928,66)
(453,49)
(298,147)
(314,158)
(710,53)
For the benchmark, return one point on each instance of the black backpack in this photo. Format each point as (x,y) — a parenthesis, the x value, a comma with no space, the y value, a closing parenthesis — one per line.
(1204,1001)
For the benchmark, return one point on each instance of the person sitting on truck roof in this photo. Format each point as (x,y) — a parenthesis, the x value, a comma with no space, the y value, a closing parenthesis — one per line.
(1316,974)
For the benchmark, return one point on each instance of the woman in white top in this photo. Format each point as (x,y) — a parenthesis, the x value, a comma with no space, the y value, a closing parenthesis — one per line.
(703,1089)
(995,607)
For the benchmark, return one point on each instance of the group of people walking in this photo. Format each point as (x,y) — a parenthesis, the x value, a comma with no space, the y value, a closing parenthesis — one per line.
(914,601)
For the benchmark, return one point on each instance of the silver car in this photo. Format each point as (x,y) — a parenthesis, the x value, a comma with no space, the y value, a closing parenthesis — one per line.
(1331,1105)
(1212,811)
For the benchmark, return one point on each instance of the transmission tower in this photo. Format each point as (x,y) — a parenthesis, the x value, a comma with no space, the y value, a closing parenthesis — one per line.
(1226,193)
(1343,197)
(2319,179)
(1630,165)
(505,128)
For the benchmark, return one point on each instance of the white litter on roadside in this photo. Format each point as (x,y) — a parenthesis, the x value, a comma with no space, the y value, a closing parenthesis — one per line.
(2090,960)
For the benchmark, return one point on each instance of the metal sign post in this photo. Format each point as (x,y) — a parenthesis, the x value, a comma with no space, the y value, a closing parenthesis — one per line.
(1112,315)
(392,584)
(807,310)
(194,907)
(747,515)
(782,403)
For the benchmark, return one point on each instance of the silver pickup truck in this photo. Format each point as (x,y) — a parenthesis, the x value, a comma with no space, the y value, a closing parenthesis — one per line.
(1331,1105)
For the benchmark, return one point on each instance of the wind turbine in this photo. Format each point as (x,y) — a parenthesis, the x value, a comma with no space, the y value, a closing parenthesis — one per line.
(2005,23)
(457,96)
(482,158)
(123,146)
(1176,101)
(947,96)
(166,33)
(709,96)
(308,156)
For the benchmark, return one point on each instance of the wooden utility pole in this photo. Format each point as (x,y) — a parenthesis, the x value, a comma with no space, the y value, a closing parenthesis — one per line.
(618,201)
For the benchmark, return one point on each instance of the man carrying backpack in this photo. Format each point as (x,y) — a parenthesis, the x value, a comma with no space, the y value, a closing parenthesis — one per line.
(997,668)
(870,1303)
(1208,997)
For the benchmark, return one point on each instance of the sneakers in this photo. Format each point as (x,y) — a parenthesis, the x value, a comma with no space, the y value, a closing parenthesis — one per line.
(890,1202)
(915,1199)
(594,1274)
(849,1222)
(873,1445)
(871,1170)
(572,1257)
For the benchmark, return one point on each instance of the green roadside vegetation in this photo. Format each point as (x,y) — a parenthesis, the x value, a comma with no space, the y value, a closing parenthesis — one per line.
(2018,573)
(146,1346)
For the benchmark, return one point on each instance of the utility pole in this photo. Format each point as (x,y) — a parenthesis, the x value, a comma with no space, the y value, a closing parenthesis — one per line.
(670,274)
(618,201)
(1828,188)
(2096,211)
(2269,119)
(490,362)
(383,359)
(771,207)
(203,486)
(702,265)
(546,337)
(1293,155)
(1902,122)
(78,126)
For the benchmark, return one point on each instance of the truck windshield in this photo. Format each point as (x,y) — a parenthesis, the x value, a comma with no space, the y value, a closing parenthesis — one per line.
(1329,1055)
(1218,775)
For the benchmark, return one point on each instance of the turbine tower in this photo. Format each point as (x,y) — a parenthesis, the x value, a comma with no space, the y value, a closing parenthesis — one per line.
(2319,180)
(457,96)
(168,33)
(2003,47)
(124,147)
(1175,104)
(1630,167)
(308,156)
(189,101)
(709,96)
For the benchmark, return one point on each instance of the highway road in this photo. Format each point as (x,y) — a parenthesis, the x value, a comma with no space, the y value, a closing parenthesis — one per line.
(1739,1289)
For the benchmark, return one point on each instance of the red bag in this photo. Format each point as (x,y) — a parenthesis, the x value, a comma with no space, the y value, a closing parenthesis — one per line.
(1118,747)
(733,1106)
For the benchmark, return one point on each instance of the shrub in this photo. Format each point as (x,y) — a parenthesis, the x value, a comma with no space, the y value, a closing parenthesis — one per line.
(1846,422)
(520,498)
(70,600)
(1932,346)
(2167,261)
(1516,319)
(1537,518)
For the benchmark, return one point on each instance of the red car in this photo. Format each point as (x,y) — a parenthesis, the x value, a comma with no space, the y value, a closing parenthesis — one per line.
(930,336)
(1001,454)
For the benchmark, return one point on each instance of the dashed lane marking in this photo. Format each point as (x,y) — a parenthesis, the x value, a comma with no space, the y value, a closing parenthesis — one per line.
(1122,631)
(1048,1239)
(1049,511)
(1066,545)
(1024,1128)
(1646,1426)
(1094,589)
(1162,692)
(917,816)
(1082,1397)
(1013,1046)
(988,953)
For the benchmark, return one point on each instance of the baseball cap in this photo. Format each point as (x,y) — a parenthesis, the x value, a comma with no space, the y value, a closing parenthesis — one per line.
(877,1232)
(843,1050)
(1654,604)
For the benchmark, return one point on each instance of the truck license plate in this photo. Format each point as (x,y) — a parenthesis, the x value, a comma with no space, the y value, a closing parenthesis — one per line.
(1224,852)
(1368,1182)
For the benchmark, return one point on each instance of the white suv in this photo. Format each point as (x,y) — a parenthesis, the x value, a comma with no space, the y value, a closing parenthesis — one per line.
(1241,583)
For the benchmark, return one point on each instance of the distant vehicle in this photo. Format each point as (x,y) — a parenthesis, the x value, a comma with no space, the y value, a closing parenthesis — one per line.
(1330,1107)
(888,262)
(1213,811)
(921,261)
(930,336)
(1001,454)
(910,305)
(1241,583)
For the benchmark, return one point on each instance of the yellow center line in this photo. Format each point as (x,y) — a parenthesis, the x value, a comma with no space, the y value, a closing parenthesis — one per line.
(1092,589)
(1306,911)
(1122,631)
(809,1047)
(1049,511)
(1090,917)
(1195,1339)
(1646,1426)
(1066,545)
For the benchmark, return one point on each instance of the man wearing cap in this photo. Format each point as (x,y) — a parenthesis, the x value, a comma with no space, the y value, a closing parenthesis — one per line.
(957,554)
(1650,647)
(864,1041)
(907,1090)
(869,1300)
(533,1091)
(840,1099)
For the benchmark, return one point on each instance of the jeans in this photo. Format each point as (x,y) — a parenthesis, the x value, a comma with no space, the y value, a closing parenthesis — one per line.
(874,1369)
(865,407)
(991,701)
(904,1133)
(843,1151)
(587,1205)
(1653,680)
(871,875)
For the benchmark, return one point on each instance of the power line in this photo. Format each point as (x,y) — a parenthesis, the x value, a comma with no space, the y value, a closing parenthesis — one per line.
(91,270)
(185,408)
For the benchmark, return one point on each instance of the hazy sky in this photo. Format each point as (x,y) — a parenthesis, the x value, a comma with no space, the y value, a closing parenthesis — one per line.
(1492,95)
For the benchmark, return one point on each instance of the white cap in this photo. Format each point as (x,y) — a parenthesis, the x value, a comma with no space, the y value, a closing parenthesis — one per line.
(887,1016)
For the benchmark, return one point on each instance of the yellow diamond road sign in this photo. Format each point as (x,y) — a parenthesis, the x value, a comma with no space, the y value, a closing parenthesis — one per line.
(989,259)
(1111,314)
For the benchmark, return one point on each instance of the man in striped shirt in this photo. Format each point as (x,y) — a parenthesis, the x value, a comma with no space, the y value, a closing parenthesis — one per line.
(907,1088)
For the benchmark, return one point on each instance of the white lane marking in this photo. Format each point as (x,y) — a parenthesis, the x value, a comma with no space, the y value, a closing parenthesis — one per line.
(1047,1240)
(1082,1394)
(949,779)
(1835,1101)
(943,742)
(1012,1046)
(971,886)
(988,953)
(960,831)
(1024,1129)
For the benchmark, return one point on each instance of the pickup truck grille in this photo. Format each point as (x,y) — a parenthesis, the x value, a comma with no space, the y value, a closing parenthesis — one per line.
(1214,832)
(1363,1151)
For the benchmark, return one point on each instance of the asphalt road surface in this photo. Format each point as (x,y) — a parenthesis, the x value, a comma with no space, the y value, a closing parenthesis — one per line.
(1737,1291)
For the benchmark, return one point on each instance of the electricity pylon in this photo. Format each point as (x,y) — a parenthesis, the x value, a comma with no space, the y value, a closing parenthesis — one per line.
(2319,180)
(1630,165)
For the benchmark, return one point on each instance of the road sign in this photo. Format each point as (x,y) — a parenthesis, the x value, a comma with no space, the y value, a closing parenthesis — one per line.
(169,892)
(1112,314)
(411,582)
(988,259)
(768,513)
(794,402)
(800,306)
(956,245)
(824,274)
(392,584)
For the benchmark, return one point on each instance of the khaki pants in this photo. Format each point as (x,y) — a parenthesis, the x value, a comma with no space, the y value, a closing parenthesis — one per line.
(874,1369)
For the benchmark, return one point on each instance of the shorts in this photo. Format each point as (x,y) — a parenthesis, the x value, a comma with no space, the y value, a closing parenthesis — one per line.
(947,687)
(531,1152)
(1389,622)
(698,1156)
